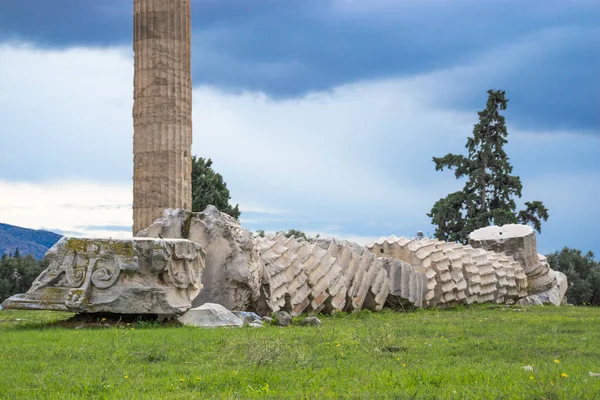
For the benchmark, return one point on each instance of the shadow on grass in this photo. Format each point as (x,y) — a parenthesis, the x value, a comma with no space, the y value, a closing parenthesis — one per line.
(40,320)
(24,320)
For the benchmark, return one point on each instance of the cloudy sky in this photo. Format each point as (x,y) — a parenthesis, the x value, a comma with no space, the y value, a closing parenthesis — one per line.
(322,115)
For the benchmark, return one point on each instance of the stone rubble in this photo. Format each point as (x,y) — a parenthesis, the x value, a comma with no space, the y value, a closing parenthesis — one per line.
(311,321)
(278,273)
(283,318)
(248,316)
(499,265)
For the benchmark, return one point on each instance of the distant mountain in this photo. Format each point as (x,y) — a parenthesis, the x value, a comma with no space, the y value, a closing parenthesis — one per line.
(29,241)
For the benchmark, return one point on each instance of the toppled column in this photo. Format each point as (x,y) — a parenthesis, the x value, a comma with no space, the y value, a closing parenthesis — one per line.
(134,276)
(518,242)
(457,274)
(278,273)
(333,275)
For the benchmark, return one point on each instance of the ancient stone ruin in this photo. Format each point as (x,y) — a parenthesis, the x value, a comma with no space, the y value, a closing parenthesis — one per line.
(518,241)
(141,276)
(500,265)
(272,273)
(269,274)
(186,260)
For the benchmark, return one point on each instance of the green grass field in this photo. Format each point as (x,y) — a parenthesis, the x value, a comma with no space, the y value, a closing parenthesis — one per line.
(465,353)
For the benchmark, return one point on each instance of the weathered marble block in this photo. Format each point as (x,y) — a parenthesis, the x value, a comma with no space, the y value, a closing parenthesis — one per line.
(553,296)
(513,240)
(134,276)
(233,271)
(519,242)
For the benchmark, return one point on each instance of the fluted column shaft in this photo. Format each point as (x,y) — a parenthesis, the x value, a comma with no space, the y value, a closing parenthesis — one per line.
(162,110)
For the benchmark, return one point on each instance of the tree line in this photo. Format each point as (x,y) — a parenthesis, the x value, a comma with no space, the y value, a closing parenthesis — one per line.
(18,272)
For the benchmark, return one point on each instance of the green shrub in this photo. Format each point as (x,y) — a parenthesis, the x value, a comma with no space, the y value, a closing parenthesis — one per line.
(583,274)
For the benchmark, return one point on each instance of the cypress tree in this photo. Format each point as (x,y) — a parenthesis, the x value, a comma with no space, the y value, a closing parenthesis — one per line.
(488,197)
(209,188)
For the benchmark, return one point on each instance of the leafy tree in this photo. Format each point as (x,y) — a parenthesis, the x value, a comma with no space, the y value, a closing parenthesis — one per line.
(488,195)
(209,188)
(583,275)
(297,233)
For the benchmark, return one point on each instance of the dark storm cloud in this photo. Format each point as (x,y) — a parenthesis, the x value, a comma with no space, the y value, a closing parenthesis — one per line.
(289,48)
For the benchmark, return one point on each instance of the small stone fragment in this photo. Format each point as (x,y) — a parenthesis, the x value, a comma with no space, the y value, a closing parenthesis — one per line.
(311,321)
(594,374)
(247,316)
(256,324)
(268,320)
(210,315)
(527,368)
(532,300)
(283,318)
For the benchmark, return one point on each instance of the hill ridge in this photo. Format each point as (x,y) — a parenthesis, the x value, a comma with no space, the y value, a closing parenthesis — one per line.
(29,241)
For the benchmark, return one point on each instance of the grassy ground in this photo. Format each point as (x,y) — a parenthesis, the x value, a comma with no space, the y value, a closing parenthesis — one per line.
(465,353)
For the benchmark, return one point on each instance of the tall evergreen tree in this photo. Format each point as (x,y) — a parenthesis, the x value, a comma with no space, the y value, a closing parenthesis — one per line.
(209,188)
(488,195)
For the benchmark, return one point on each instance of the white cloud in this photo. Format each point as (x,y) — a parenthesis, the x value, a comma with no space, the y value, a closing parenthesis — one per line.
(355,161)
(79,208)
(66,114)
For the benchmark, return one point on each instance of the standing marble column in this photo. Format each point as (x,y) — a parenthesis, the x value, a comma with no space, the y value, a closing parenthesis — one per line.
(162,109)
